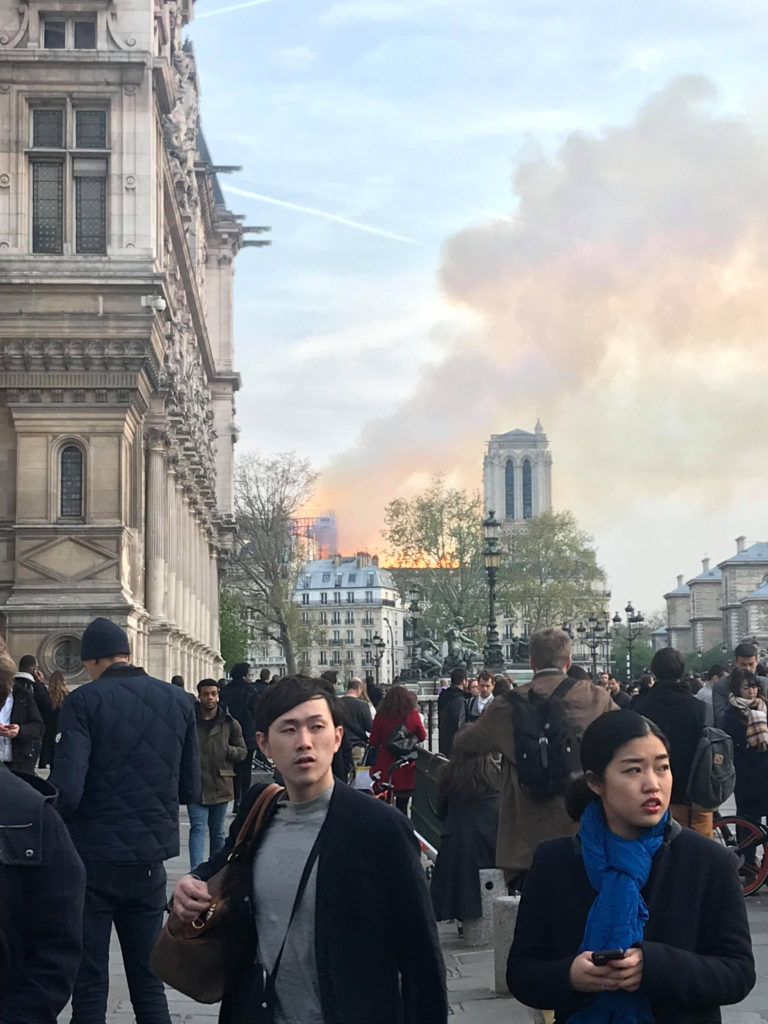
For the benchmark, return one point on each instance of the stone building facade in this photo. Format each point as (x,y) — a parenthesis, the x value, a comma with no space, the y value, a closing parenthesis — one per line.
(116,354)
(345,603)
(517,476)
(724,605)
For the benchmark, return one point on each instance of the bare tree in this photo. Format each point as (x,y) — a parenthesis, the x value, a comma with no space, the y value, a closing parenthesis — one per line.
(269,554)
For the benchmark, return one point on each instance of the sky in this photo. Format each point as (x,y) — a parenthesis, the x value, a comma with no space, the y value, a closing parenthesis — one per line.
(486,212)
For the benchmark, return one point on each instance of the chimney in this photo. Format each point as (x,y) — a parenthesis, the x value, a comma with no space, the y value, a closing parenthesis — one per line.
(363,559)
(705,564)
(740,542)
(680,581)
(337,560)
(375,561)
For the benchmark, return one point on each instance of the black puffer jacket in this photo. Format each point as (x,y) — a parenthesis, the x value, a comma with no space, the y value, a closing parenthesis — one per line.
(681,717)
(127,756)
(451,715)
(25,746)
(42,884)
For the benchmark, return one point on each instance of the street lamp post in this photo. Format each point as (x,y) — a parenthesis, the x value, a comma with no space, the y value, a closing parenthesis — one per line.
(595,635)
(414,596)
(377,646)
(494,655)
(633,619)
(391,646)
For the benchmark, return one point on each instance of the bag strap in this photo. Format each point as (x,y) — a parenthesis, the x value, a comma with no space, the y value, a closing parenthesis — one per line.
(272,976)
(254,819)
(563,689)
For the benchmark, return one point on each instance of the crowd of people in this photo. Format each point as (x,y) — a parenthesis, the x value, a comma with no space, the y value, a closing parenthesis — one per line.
(626,912)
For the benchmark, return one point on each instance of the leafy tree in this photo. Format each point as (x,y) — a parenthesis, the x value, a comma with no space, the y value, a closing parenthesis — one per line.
(233,629)
(642,653)
(436,539)
(549,572)
(269,554)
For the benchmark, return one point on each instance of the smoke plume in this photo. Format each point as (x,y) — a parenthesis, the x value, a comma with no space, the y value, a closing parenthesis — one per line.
(624,302)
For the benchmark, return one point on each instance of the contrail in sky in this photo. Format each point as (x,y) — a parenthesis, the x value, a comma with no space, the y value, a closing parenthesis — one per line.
(236,7)
(381,232)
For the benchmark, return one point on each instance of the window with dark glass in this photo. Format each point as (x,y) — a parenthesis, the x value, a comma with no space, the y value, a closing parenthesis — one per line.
(48,128)
(54,34)
(85,34)
(527,491)
(71,482)
(509,491)
(47,206)
(90,205)
(91,129)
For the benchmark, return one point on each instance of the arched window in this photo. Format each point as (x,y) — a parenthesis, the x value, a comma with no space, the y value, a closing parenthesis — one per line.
(509,491)
(71,482)
(527,491)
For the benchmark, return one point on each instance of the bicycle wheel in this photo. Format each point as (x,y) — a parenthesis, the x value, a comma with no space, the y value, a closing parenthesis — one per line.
(750,844)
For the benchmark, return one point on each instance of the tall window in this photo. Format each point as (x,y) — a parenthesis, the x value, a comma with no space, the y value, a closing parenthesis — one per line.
(60,33)
(71,465)
(509,491)
(68,171)
(527,491)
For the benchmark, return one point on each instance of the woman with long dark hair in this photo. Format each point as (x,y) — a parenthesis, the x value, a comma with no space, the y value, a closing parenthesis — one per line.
(636,919)
(468,806)
(58,691)
(398,707)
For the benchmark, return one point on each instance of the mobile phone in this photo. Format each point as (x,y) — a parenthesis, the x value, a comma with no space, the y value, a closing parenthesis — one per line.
(602,957)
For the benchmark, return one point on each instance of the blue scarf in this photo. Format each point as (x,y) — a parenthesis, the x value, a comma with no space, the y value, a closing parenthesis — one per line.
(617,869)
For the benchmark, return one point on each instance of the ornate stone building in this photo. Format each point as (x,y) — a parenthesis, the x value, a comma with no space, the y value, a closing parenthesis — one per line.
(517,475)
(116,374)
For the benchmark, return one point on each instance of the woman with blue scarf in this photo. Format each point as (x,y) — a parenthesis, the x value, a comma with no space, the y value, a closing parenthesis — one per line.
(666,900)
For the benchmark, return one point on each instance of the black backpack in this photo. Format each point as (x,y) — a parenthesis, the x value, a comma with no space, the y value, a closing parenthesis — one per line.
(546,752)
(713,775)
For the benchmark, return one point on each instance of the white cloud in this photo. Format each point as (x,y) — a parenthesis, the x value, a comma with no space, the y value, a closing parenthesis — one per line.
(294,58)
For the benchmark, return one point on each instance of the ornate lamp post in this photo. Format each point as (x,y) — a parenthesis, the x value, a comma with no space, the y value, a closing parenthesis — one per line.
(634,619)
(494,655)
(596,635)
(377,645)
(414,608)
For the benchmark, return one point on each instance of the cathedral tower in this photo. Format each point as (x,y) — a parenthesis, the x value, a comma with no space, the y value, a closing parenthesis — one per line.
(517,475)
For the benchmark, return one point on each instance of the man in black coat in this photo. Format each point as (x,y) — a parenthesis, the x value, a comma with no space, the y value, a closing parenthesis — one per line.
(42,884)
(357,714)
(681,717)
(452,710)
(240,698)
(314,832)
(127,756)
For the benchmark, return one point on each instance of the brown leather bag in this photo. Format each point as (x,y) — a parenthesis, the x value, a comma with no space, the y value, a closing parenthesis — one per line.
(194,957)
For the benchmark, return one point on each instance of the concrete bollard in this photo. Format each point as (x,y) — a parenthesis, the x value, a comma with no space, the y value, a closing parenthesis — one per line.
(479,931)
(504,919)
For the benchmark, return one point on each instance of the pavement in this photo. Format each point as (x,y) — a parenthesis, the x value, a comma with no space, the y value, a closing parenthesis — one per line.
(469,975)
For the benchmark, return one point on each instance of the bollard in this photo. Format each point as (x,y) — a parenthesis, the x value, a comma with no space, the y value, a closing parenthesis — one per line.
(479,931)
(504,919)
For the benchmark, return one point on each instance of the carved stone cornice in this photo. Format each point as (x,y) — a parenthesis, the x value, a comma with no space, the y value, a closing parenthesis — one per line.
(93,355)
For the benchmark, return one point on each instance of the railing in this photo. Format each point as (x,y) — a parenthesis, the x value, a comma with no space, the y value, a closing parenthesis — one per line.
(428,711)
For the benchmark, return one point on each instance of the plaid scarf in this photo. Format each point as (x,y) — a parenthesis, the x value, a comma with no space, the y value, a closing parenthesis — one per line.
(757,720)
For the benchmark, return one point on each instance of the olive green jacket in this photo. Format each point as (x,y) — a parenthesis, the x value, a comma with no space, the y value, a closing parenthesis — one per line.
(221,747)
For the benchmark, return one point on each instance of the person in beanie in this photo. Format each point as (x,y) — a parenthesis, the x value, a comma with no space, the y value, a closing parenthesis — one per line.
(127,755)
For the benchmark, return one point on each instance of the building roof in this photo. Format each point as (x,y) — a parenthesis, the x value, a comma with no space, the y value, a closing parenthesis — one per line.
(352,574)
(660,631)
(757,552)
(681,591)
(710,574)
(761,594)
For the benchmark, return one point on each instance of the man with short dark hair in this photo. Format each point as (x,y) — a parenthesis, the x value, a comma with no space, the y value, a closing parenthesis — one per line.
(451,710)
(222,747)
(127,756)
(525,820)
(484,698)
(315,830)
(358,722)
(745,657)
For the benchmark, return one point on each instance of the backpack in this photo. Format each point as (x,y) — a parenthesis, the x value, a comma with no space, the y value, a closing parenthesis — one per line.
(547,753)
(401,741)
(713,776)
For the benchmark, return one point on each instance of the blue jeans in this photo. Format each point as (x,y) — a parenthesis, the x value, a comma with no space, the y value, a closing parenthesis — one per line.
(213,816)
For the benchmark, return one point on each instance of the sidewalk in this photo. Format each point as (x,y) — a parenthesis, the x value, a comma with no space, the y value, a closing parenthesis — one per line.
(469,974)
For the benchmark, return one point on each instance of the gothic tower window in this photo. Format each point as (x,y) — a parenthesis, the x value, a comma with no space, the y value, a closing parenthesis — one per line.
(509,490)
(71,482)
(527,491)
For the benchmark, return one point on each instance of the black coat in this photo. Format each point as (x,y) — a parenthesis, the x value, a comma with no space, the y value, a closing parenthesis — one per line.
(240,698)
(378,955)
(681,717)
(751,768)
(468,844)
(42,885)
(451,715)
(26,745)
(358,723)
(697,952)
(128,755)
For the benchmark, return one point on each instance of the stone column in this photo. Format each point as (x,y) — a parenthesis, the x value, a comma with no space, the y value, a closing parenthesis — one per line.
(157,504)
(178,513)
(172,551)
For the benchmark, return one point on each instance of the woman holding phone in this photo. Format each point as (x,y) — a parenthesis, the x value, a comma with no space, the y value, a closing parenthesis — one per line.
(635,919)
